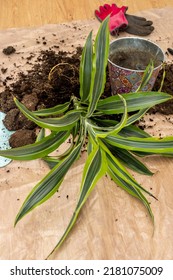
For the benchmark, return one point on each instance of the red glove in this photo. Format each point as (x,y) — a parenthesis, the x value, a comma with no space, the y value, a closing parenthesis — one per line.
(117,21)
(121,21)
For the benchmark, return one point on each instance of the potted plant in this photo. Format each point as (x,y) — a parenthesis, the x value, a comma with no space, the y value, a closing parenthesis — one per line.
(111,144)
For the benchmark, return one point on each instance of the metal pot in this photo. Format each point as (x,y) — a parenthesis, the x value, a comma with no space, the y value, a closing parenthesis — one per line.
(128,78)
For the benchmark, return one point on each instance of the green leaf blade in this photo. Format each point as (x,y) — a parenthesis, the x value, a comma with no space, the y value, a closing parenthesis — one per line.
(56,124)
(100,61)
(58,109)
(118,127)
(95,167)
(131,190)
(86,69)
(130,161)
(135,102)
(37,150)
(151,144)
(137,116)
(48,185)
(127,131)
(146,76)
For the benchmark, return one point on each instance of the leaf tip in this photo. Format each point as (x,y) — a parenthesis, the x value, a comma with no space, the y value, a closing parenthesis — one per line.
(18,217)
(15,223)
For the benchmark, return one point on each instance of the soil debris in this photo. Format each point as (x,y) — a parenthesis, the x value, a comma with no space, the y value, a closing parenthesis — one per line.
(9,50)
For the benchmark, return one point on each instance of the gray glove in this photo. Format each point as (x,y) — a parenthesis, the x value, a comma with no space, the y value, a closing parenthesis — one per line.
(138,25)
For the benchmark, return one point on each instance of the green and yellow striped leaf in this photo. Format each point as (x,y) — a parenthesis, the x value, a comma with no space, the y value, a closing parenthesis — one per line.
(135,102)
(146,76)
(130,189)
(148,145)
(119,169)
(56,124)
(41,135)
(129,160)
(48,185)
(127,131)
(58,109)
(137,116)
(118,127)
(86,69)
(95,167)
(100,60)
(39,149)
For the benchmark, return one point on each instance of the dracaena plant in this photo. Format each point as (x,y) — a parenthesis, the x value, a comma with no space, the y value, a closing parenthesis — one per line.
(111,145)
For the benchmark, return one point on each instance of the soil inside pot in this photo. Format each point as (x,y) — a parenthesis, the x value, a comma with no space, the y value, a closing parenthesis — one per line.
(133,59)
(36,91)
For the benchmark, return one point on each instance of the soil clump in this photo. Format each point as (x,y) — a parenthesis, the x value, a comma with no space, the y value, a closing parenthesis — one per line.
(9,50)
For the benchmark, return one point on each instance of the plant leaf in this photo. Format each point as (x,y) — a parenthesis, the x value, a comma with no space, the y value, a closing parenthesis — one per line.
(119,169)
(135,117)
(135,102)
(151,144)
(127,131)
(130,189)
(129,160)
(100,60)
(48,185)
(146,76)
(86,69)
(52,161)
(133,131)
(118,127)
(163,76)
(95,167)
(39,149)
(56,124)
(58,109)
(40,135)
(122,173)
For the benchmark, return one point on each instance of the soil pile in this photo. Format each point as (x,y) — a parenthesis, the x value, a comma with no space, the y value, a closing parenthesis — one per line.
(35,91)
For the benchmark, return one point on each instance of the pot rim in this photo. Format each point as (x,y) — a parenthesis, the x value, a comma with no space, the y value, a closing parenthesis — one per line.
(141,39)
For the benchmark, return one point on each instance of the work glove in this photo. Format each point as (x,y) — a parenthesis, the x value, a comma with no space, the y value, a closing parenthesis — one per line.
(121,21)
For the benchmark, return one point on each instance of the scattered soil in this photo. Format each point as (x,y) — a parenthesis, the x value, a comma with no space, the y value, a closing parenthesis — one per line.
(40,88)
(9,50)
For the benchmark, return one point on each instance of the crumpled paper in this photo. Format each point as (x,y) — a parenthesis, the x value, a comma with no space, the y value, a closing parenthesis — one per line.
(112,224)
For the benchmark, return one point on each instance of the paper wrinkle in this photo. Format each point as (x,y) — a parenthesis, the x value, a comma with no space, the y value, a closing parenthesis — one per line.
(112,224)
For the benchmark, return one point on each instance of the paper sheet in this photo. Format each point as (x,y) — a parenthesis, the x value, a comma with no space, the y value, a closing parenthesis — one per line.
(112,224)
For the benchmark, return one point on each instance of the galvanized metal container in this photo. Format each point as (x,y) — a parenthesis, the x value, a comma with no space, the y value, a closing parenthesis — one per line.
(124,79)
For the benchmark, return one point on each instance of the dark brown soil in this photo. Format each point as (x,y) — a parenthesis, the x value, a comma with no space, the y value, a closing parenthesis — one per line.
(22,137)
(9,50)
(166,107)
(133,59)
(36,91)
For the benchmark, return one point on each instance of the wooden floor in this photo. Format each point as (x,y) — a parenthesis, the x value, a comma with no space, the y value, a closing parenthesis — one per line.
(26,13)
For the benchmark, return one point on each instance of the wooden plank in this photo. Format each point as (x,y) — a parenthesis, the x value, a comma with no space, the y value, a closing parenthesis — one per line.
(27,13)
